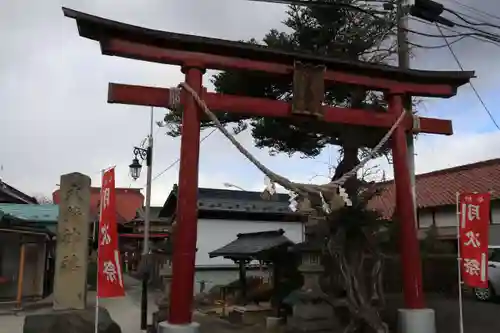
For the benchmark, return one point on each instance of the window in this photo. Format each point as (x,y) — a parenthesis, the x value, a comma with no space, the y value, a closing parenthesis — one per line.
(494,255)
(425,218)
(495,214)
(446,217)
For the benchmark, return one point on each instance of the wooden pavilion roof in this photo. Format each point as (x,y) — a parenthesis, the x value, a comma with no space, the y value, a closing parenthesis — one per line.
(254,245)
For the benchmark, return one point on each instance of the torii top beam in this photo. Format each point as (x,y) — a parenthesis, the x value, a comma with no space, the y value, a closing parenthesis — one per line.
(217,53)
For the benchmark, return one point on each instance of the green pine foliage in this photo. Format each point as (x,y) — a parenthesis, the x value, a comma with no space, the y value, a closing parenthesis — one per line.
(336,31)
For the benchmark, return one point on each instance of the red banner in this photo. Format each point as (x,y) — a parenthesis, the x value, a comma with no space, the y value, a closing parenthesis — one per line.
(474,212)
(109,271)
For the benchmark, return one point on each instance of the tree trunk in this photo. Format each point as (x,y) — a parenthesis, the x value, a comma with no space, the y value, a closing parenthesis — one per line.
(349,161)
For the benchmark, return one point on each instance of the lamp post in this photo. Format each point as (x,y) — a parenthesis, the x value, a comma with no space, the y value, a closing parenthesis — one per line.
(145,154)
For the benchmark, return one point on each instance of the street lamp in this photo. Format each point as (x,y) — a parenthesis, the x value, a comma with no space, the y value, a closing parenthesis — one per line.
(145,154)
(135,168)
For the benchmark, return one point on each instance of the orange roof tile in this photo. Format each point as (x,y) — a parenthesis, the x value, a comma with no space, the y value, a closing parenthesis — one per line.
(439,188)
(128,201)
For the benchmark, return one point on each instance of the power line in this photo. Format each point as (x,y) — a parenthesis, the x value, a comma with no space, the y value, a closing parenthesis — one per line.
(477,24)
(473,35)
(323,3)
(473,9)
(430,47)
(457,34)
(177,160)
(471,84)
(431,11)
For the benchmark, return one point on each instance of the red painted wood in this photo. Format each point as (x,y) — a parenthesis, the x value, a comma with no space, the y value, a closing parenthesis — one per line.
(183,260)
(158,97)
(410,252)
(137,51)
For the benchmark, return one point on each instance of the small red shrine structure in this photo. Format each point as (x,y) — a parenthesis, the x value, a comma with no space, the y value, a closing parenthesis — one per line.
(196,54)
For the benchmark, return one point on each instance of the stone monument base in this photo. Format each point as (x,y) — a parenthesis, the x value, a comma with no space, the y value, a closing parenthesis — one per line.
(70,321)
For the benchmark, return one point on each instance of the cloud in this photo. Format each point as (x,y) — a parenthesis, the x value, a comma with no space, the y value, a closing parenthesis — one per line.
(53,91)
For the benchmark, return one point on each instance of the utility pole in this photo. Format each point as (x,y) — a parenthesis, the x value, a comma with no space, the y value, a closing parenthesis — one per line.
(149,177)
(147,219)
(403,9)
(145,154)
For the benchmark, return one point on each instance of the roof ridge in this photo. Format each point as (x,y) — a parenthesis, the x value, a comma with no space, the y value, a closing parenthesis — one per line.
(276,232)
(464,167)
(134,189)
(458,168)
(439,188)
(229,190)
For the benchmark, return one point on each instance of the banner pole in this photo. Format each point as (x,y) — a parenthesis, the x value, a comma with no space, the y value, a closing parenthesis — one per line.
(459,265)
(96,324)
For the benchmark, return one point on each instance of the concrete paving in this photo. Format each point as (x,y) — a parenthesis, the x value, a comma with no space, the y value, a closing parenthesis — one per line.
(11,323)
(124,310)
(479,317)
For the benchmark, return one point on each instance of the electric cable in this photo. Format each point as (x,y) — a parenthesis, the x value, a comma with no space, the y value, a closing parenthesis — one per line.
(473,35)
(435,46)
(177,160)
(477,11)
(323,3)
(477,24)
(457,34)
(471,84)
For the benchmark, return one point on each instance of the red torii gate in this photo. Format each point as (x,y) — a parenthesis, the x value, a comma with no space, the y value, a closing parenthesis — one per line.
(138,43)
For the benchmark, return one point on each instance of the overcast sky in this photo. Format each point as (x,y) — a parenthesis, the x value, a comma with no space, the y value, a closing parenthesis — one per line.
(55,119)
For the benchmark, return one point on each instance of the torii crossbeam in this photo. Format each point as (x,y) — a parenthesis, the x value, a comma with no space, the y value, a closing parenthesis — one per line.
(196,54)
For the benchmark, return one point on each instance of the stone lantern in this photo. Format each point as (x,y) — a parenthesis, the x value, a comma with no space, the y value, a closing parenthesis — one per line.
(164,250)
(310,265)
(312,311)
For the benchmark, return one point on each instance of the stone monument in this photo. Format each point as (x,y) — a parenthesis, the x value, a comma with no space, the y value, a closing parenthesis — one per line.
(69,313)
(72,255)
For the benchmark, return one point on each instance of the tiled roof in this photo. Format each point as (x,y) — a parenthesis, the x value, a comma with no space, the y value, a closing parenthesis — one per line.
(214,199)
(13,195)
(222,194)
(31,213)
(128,201)
(439,188)
(220,200)
(251,245)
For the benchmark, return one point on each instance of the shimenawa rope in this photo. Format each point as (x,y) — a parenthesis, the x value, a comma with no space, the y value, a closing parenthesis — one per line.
(285,182)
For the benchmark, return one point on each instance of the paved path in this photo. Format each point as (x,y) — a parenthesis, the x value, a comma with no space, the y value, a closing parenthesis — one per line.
(479,317)
(125,310)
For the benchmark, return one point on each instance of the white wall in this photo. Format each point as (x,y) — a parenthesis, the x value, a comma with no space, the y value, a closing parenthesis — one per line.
(213,234)
(447,217)
(446,221)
